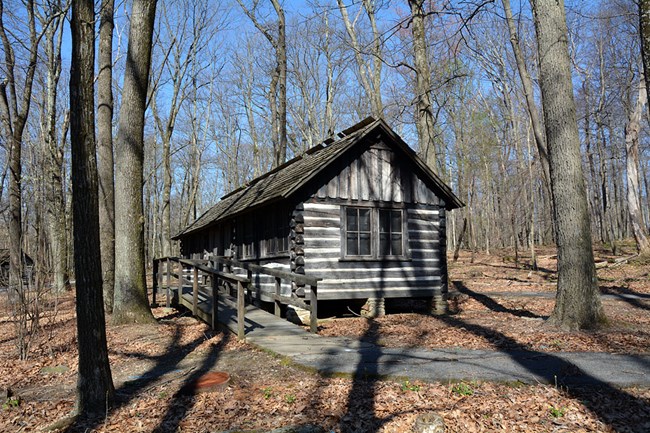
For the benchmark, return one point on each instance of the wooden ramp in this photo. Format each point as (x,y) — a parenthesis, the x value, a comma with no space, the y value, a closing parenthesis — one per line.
(254,318)
(202,286)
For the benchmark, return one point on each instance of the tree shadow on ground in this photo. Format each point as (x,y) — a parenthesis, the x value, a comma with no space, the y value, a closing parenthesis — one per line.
(491,304)
(164,364)
(635,299)
(614,407)
(183,400)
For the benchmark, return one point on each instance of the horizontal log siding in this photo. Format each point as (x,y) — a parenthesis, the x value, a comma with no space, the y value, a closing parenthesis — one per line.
(419,276)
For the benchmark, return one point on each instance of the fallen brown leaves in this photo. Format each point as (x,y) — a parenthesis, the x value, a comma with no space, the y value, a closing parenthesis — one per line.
(151,364)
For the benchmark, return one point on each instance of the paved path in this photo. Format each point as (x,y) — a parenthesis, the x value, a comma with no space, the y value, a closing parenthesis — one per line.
(332,355)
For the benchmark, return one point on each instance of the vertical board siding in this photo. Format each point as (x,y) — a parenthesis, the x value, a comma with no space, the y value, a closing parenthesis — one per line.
(377,175)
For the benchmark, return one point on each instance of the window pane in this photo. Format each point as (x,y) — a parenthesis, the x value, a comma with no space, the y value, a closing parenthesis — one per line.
(384,221)
(352,219)
(396,221)
(364,244)
(384,244)
(364,220)
(396,242)
(352,245)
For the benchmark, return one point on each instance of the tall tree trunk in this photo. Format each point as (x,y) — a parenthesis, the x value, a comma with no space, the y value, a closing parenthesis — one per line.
(53,156)
(644,32)
(280,152)
(424,118)
(105,151)
(632,160)
(131,302)
(578,302)
(94,385)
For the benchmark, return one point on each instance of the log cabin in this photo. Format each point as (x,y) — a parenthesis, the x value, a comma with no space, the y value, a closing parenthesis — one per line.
(362,211)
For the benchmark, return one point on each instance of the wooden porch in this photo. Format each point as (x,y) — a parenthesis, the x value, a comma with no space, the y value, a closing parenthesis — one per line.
(215,294)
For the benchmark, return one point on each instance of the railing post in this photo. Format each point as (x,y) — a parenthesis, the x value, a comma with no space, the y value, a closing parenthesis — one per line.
(313,303)
(240,310)
(278,310)
(195,291)
(169,282)
(156,278)
(180,281)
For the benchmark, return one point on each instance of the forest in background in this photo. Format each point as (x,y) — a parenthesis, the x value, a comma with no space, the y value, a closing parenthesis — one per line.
(213,104)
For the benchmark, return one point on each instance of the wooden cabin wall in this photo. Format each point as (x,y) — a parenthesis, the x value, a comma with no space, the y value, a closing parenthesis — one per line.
(376,179)
(222,236)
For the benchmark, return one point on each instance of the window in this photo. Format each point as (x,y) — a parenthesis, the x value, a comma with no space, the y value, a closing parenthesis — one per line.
(358,233)
(372,233)
(276,234)
(248,239)
(390,232)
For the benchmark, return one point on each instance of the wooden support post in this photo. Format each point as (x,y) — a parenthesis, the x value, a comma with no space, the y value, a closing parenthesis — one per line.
(241,306)
(215,301)
(156,278)
(278,309)
(313,303)
(169,283)
(195,291)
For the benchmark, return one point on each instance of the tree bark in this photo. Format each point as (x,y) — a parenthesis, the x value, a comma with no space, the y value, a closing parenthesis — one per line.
(105,152)
(632,160)
(131,302)
(95,390)
(578,304)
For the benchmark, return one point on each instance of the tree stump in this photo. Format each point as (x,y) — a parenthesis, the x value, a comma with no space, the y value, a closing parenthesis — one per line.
(429,423)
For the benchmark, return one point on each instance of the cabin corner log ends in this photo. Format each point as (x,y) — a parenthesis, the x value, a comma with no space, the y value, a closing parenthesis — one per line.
(194,275)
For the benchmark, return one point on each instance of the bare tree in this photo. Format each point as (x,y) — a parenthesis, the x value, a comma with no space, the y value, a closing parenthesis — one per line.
(527,85)
(369,72)
(131,302)
(105,151)
(578,302)
(278,87)
(15,111)
(94,385)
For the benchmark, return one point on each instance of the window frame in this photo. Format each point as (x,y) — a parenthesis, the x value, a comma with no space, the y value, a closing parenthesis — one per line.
(375,234)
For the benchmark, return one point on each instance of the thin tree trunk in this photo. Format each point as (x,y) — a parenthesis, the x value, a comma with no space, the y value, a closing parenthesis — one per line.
(95,390)
(280,153)
(578,302)
(131,302)
(105,152)
(424,118)
(527,84)
(632,160)
(53,157)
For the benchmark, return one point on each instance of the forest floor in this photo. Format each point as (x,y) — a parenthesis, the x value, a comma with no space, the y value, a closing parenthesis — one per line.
(152,366)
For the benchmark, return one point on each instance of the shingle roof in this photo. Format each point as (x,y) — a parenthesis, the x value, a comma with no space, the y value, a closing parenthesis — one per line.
(283,181)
